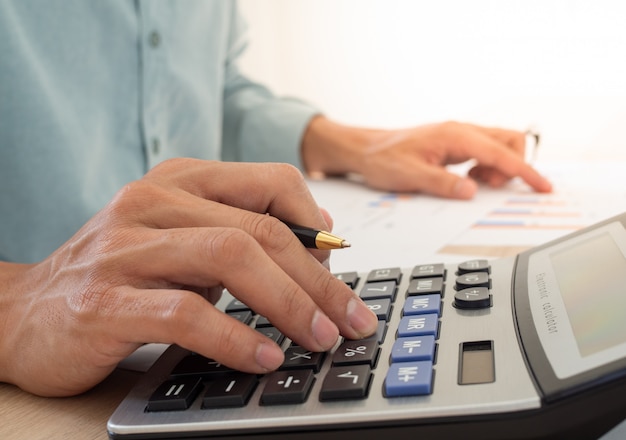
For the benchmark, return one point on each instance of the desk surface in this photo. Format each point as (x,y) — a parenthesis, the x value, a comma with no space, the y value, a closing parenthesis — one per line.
(25,416)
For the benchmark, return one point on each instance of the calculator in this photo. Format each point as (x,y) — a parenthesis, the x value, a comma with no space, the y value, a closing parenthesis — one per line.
(531,346)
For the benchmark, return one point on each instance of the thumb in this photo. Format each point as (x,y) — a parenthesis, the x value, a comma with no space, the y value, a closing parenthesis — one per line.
(439,182)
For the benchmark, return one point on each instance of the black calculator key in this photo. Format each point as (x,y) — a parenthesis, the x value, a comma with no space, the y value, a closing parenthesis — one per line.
(350,278)
(196,365)
(244,316)
(389,274)
(350,382)
(429,271)
(473,298)
(473,279)
(425,286)
(381,307)
(273,333)
(262,322)
(297,357)
(175,394)
(364,351)
(474,266)
(287,387)
(381,331)
(382,289)
(232,390)
(236,306)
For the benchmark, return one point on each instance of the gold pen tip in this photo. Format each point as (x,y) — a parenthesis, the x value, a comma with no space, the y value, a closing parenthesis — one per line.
(345,244)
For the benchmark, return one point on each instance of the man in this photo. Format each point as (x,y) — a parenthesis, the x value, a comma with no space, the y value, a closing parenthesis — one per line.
(110,239)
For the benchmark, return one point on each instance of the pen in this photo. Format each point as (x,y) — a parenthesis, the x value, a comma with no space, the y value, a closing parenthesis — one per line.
(533,135)
(314,239)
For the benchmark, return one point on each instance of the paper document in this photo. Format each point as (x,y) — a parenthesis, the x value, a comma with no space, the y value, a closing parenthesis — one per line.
(387,229)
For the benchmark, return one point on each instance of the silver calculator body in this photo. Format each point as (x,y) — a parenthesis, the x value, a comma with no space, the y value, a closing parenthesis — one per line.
(532,346)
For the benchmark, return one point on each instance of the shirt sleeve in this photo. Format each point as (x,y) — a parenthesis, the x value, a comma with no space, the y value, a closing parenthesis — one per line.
(259,126)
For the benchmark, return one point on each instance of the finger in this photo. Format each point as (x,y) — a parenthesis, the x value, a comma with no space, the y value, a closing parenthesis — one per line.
(278,189)
(331,295)
(179,209)
(490,153)
(439,182)
(325,259)
(327,218)
(186,319)
(490,176)
(275,276)
(513,139)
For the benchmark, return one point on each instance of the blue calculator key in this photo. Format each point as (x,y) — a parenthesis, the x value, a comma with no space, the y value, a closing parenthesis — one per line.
(418,325)
(422,304)
(409,379)
(416,348)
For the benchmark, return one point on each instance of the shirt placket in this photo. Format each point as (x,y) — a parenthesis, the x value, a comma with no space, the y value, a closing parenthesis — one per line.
(153,65)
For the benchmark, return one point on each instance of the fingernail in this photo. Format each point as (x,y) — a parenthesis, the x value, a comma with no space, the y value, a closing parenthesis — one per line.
(269,356)
(324,331)
(465,188)
(361,319)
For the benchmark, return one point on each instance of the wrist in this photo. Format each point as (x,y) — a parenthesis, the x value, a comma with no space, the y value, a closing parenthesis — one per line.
(12,276)
(329,148)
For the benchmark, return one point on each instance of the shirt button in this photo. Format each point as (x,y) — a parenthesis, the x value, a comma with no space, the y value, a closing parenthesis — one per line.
(155,39)
(156,146)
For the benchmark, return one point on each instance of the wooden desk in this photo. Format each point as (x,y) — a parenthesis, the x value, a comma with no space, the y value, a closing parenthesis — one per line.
(27,417)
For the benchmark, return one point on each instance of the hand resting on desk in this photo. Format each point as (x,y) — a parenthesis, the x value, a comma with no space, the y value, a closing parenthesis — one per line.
(415,159)
(148,267)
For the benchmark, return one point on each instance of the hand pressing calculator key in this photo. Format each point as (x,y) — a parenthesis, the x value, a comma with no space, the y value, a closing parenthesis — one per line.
(527,347)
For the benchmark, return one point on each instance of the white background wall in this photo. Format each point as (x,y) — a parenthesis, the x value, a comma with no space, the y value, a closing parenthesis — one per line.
(558,64)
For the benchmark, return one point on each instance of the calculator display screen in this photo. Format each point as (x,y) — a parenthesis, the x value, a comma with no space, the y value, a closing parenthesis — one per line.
(592,279)
(577,294)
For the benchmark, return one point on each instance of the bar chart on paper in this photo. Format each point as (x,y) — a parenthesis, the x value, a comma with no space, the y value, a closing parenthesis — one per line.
(388,229)
(526,220)
(521,219)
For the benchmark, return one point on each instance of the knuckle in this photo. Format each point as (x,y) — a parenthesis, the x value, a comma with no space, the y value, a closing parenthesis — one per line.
(291,176)
(294,303)
(92,302)
(173,165)
(180,314)
(227,246)
(226,340)
(270,232)
(290,172)
(328,287)
(451,126)
(133,197)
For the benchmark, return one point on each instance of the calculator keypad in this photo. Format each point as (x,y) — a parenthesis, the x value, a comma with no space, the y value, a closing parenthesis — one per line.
(408,369)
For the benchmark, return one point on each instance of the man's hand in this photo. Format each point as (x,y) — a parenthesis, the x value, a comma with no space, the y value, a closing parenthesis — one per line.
(414,160)
(149,265)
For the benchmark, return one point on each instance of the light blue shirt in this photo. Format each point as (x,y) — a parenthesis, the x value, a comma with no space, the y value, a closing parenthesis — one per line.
(95,93)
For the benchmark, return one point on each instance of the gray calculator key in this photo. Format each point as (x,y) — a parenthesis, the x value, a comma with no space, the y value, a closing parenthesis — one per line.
(387,274)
